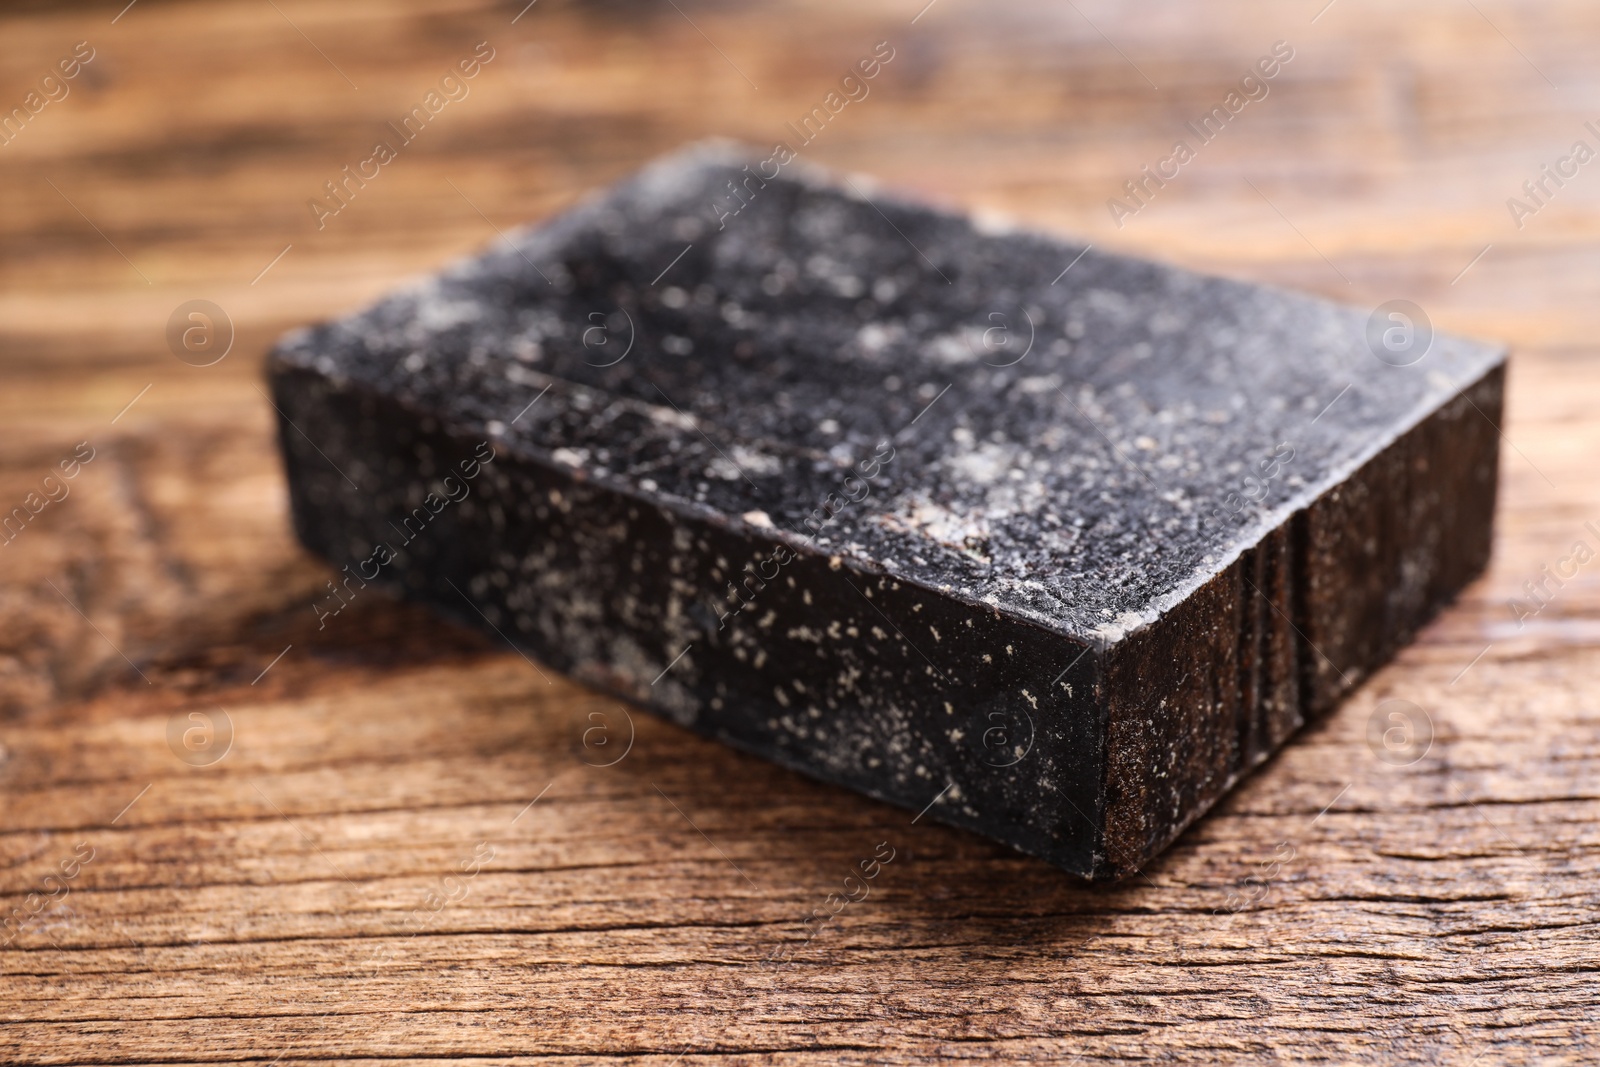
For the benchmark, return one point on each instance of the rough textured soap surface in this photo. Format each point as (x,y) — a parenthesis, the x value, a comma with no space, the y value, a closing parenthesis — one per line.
(1068,551)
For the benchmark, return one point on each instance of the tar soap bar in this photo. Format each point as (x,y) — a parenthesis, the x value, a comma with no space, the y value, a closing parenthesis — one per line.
(928,509)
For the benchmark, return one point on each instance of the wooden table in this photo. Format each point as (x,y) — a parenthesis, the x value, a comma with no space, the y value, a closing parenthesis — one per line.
(408,850)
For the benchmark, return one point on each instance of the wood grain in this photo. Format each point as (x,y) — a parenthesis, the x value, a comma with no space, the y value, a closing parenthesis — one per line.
(362,876)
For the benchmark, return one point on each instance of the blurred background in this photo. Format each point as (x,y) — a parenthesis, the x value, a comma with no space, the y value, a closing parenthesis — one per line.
(1397,152)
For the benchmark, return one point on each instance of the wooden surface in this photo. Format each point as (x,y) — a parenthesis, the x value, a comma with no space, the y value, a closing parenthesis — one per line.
(361,875)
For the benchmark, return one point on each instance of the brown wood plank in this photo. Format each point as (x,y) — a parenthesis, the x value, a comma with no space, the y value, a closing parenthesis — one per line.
(293,903)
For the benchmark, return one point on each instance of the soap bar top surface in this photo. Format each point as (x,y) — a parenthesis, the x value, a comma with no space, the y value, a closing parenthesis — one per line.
(1079,448)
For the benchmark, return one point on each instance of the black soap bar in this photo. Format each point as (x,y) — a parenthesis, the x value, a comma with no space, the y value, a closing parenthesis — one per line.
(1058,542)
